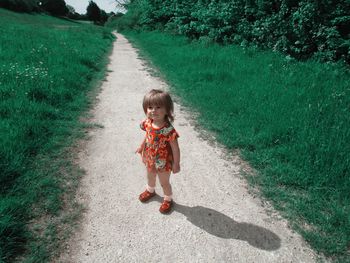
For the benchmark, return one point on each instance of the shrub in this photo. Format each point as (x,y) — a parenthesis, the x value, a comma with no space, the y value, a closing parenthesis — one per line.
(302,29)
(20,5)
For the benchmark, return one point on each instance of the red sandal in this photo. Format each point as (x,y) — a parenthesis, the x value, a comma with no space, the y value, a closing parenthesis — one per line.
(166,206)
(146,195)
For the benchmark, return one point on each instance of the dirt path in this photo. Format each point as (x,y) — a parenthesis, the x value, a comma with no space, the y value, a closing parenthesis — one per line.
(214,219)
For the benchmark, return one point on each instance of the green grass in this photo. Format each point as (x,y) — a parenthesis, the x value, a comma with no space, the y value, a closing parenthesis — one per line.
(48,66)
(290,120)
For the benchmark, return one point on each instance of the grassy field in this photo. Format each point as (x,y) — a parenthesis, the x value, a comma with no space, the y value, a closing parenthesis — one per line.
(48,67)
(290,120)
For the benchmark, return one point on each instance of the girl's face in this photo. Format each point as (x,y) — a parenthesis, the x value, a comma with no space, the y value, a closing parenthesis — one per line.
(156,112)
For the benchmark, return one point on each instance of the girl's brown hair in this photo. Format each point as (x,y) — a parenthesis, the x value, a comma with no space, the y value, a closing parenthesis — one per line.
(159,98)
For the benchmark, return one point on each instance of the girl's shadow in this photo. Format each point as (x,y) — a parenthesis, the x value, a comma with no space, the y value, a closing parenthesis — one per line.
(220,225)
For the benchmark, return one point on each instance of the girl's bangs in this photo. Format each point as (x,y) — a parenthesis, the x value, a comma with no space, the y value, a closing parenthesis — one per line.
(155,100)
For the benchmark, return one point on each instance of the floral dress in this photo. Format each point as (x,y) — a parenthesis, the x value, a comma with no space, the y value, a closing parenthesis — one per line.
(157,154)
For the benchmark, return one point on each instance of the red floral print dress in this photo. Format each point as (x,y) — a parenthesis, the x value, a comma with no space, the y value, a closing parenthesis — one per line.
(157,154)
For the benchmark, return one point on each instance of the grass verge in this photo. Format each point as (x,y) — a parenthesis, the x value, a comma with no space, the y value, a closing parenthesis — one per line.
(291,121)
(48,66)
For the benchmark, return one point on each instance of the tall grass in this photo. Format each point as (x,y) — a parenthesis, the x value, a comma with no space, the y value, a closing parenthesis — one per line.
(47,67)
(291,120)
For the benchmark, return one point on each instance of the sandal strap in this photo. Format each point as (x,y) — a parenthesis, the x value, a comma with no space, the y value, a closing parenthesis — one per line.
(166,204)
(146,194)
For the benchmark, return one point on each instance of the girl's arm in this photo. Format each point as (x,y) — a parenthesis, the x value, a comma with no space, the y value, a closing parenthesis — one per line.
(139,150)
(176,156)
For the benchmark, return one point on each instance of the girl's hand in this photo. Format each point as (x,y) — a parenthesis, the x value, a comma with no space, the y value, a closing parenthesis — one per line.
(142,146)
(139,150)
(176,155)
(176,168)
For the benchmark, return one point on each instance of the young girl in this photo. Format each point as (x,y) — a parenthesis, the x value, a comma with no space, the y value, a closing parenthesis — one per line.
(159,150)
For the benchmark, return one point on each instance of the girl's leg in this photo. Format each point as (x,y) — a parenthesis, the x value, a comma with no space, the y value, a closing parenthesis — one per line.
(164,179)
(151,183)
(151,180)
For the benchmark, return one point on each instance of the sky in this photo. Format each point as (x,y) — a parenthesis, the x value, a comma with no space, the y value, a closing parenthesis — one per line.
(81,5)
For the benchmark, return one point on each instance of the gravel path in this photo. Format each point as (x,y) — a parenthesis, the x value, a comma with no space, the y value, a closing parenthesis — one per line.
(215,219)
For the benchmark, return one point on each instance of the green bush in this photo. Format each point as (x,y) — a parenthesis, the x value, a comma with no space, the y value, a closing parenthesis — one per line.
(301,29)
(20,5)
(54,7)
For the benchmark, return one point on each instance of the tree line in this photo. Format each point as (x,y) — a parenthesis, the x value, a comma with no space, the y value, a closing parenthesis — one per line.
(300,28)
(57,8)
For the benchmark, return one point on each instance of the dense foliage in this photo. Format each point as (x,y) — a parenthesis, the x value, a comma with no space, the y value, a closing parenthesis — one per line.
(300,28)
(56,8)
(20,5)
(94,13)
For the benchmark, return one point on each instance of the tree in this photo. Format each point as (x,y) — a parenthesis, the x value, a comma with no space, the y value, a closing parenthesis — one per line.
(20,5)
(55,7)
(71,9)
(122,5)
(93,12)
(104,17)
